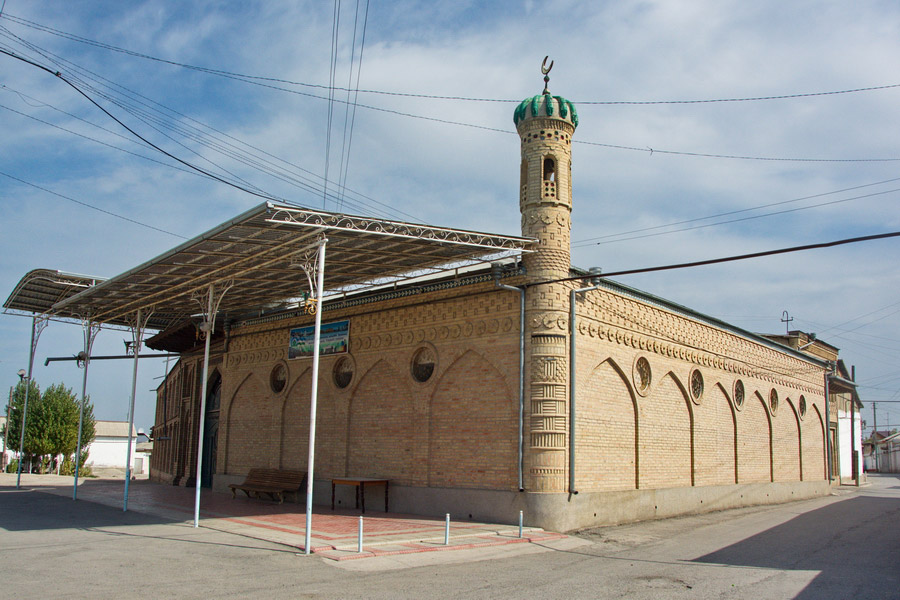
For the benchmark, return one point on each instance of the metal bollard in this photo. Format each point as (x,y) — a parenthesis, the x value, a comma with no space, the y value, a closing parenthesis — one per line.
(447,531)
(520,524)
(359,540)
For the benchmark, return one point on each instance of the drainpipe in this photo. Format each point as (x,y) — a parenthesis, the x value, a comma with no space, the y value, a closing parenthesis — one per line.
(827,427)
(495,271)
(595,283)
(854,465)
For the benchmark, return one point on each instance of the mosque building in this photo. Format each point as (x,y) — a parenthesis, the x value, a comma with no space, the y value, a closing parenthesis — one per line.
(527,385)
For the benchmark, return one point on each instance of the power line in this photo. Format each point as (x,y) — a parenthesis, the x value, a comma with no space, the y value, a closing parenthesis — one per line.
(105,46)
(779,212)
(260,81)
(734,212)
(332,67)
(651,151)
(136,134)
(95,140)
(92,207)
(713,261)
(348,135)
(268,168)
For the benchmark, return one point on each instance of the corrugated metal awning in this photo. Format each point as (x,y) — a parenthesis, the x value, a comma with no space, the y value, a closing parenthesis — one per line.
(264,253)
(40,289)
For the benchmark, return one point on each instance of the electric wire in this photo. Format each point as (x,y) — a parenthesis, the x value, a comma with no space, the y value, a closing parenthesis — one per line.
(101,142)
(742,219)
(205,172)
(332,67)
(713,261)
(143,100)
(92,207)
(138,113)
(259,81)
(348,131)
(105,46)
(307,183)
(732,212)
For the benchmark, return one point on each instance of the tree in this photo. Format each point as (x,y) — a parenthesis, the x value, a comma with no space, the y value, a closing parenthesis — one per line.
(52,427)
(15,416)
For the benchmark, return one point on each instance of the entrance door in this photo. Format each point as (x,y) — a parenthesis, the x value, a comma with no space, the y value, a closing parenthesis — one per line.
(835,455)
(211,431)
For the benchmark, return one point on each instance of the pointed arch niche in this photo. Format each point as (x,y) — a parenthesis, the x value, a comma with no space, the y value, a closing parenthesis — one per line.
(252,432)
(786,443)
(714,435)
(606,431)
(382,427)
(754,435)
(295,425)
(813,439)
(473,427)
(665,440)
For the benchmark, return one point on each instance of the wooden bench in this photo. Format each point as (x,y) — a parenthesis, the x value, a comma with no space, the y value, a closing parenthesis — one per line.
(272,482)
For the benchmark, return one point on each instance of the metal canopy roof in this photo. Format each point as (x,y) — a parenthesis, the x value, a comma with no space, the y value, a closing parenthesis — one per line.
(40,289)
(265,252)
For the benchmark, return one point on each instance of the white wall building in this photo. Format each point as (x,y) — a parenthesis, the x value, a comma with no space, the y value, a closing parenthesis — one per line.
(110,446)
(848,445)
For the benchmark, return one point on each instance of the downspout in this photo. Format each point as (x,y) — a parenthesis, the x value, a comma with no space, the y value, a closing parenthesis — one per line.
(495,271)
(595,283)
(827,428)
(854,464)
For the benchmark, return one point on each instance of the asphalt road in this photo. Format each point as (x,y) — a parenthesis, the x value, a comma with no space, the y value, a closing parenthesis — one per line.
(840,547)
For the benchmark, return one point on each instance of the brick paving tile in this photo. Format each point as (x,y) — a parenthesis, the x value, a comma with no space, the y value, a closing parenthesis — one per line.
(334,534)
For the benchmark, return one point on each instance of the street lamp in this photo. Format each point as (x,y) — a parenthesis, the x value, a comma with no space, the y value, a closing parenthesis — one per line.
(22,377)
(6,432)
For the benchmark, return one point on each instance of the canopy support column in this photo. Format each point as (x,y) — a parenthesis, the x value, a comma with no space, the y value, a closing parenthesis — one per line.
(311,459)
(38,323)
(90,334)
(137,334)
(208,326)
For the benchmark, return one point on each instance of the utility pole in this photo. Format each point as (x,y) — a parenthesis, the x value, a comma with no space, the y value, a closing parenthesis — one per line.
(874,431)
(6,432)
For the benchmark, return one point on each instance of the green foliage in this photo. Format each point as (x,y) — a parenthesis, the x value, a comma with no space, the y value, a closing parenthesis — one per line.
(52,425)
(15,414)
(68,466)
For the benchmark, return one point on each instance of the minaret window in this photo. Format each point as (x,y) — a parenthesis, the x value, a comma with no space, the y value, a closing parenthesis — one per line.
(549,177)
(523,180)
(549,170)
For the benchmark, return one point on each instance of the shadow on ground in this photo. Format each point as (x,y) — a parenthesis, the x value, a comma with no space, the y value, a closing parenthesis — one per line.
(851,549)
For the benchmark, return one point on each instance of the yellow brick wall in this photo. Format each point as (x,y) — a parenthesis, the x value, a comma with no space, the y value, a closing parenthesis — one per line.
(754,453)
(813,428)
(664,437)
(714,439)
(473,415)
(786,442)
(678,437)
(606,432)
(458,429)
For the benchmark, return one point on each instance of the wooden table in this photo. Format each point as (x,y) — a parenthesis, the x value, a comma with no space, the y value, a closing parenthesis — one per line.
(360,484)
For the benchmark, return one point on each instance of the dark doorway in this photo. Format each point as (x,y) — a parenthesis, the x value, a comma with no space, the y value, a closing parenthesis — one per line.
(211,430)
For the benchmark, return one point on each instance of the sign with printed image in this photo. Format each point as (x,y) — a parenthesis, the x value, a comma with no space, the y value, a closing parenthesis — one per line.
(334,339)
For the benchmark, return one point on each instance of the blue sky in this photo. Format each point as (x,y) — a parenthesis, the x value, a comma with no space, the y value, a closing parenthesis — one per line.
(461,176)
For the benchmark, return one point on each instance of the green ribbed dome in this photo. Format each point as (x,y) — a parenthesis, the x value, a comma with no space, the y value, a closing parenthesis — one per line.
(545,105)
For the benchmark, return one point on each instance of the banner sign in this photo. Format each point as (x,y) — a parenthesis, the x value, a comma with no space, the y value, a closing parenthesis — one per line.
(335,339)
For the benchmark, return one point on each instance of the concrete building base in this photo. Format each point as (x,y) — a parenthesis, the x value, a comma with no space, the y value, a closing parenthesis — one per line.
(561,512)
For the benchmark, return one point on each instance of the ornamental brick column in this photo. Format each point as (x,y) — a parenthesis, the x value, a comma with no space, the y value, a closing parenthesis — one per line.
(545,124)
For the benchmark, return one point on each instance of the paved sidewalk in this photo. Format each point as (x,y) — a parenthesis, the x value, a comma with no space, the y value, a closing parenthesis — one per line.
(334,534)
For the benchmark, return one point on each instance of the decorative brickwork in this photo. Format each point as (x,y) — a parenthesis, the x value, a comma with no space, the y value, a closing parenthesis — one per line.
(754,442)
(427,395)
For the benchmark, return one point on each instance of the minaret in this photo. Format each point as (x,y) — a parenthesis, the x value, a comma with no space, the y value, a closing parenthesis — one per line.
(545,124)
